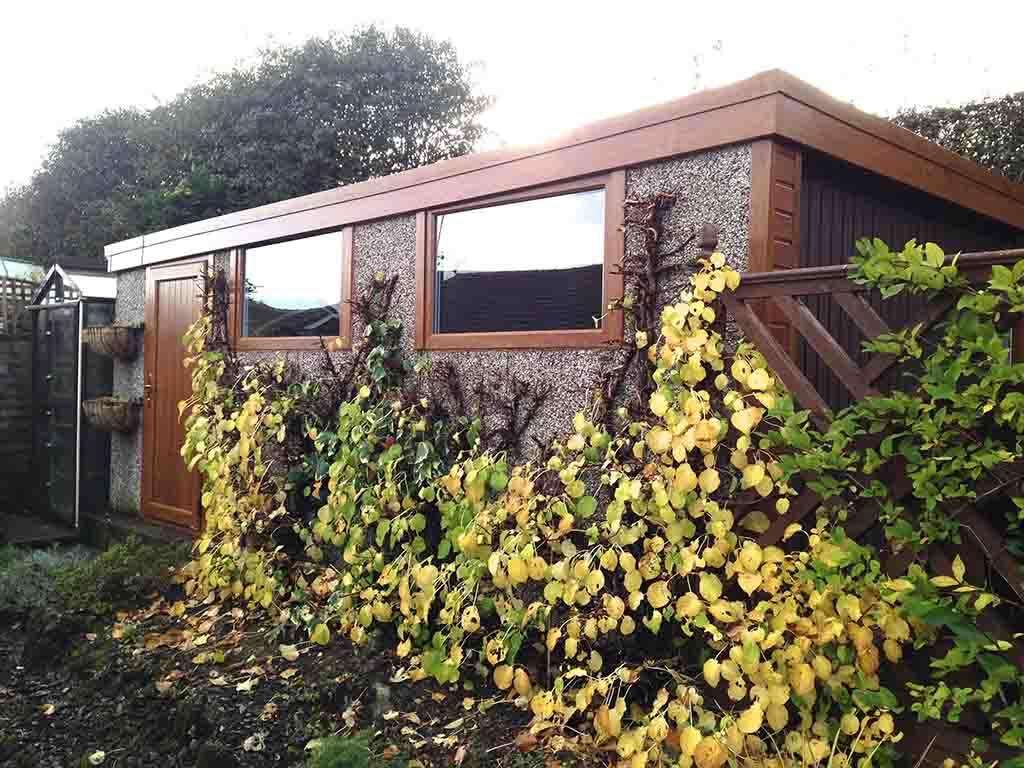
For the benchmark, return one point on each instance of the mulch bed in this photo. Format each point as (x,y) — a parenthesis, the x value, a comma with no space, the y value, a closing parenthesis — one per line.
(71,686)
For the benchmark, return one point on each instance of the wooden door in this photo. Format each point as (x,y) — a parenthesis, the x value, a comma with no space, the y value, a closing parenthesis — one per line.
(169,492)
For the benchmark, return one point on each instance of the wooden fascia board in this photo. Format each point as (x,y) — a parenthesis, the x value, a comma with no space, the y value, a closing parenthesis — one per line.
(729,124)
(770,104)
(758,86)
(798,90)
(941,174)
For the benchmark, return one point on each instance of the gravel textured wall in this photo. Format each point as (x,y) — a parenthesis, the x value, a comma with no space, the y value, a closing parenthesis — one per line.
(711,187)
(126,450)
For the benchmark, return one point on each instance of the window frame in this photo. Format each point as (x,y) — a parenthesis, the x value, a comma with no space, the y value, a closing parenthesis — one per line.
(614,185)
(298,343)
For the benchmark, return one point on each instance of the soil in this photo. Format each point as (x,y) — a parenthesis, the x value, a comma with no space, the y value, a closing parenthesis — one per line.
(73,685)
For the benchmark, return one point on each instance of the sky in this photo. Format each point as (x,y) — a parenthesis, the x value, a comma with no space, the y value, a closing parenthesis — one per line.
(550,66)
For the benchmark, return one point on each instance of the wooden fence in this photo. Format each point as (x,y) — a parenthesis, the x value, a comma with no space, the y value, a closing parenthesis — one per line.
(785,293)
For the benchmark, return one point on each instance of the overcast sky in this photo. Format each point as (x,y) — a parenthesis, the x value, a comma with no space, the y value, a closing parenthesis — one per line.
(550,65)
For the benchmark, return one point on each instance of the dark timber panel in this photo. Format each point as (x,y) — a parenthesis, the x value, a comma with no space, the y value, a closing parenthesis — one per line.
(840,204)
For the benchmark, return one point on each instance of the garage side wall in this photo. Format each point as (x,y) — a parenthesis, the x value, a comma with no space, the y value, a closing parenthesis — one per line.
(126,449)
(712,187)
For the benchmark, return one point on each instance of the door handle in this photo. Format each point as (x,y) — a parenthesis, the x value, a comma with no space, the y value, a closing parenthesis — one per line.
(147,390)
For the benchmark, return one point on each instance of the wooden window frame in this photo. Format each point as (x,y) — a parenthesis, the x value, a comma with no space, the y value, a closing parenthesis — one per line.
(614,185)
(294,343)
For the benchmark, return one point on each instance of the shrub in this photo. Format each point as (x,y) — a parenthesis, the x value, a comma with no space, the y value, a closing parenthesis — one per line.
(122,574)
(28,576)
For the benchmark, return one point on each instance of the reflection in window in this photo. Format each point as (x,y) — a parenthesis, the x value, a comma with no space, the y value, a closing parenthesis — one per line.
(293,288)
(535,265)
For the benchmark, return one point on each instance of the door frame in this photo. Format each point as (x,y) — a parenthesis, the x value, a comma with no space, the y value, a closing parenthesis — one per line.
(154,275)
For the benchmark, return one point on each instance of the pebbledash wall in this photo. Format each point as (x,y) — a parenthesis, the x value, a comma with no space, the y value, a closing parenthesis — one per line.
(126,449)
(712,187)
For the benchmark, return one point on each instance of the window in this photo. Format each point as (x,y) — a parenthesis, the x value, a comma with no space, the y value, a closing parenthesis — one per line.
(531,269)
(294,292)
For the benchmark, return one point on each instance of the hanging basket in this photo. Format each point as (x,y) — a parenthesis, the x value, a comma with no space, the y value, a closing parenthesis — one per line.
(113,414)
(117,341)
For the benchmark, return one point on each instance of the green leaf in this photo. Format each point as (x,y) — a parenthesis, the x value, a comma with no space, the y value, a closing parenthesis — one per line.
(883,698)
(498,480)
(586,506)
(422,451)
(513,644)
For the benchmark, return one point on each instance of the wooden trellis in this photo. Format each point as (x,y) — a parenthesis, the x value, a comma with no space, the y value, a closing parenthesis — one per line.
(15,295)
(983,546)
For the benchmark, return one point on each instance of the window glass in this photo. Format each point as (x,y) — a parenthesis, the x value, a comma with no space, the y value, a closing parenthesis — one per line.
(535,265)
(293,288)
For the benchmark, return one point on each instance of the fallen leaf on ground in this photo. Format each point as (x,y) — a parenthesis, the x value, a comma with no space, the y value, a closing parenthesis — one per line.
(526,741)
(255,743)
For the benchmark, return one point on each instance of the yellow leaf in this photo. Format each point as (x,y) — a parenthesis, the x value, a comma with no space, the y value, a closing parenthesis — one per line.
(709,480)
(709,753)
(746,419)
(710,587)
(756,521)
(759,379)
(321,635)
(749,582)
(751,719)
(504,676)
(659,404)
(958,569)
(658,595)
(943,581)
(791,530)
(659,440)
(752,475)
(289,652)
(712,672)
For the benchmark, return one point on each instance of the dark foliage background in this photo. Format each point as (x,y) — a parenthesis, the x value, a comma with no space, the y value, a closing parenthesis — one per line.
(989,132)
(331,111)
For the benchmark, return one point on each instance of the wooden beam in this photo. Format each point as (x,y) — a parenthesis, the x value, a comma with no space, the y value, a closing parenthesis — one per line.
(835,357)
(778,358)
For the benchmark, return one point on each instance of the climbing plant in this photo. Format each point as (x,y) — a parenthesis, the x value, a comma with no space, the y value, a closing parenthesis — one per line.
(954,423)
(614,586)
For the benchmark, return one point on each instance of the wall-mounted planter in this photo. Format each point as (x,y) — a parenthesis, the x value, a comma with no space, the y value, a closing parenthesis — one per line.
(113,414)
(118,341)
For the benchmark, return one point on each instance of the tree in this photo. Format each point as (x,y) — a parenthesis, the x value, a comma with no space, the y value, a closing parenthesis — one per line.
(989,132)
(331,111)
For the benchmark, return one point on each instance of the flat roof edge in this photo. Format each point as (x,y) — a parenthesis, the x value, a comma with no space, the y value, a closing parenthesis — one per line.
(769,104)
